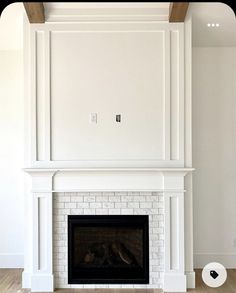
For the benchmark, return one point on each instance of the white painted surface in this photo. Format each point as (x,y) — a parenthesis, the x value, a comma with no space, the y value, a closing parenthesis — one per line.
(188,196)
(11,158)
(174,276)
(12,260)
(11,27)
(214,156)
(123,75)
(38,274)
(106,11)
(217,13)
(137,70)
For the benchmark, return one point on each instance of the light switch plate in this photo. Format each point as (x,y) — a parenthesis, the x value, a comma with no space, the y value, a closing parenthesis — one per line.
(93,117)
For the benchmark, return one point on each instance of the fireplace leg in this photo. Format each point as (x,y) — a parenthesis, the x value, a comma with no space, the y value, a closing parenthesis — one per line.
(38,273)
(42,276)
(174,271)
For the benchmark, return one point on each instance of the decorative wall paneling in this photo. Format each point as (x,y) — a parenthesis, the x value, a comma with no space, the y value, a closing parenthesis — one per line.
(161,146)
(133,68)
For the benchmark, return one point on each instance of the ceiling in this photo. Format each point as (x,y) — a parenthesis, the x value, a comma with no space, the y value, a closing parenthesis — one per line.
(11,28)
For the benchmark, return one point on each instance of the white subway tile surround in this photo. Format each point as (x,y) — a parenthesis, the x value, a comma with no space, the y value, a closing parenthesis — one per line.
(109,203)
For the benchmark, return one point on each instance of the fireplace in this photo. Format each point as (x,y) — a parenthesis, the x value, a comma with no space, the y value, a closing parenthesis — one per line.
(51,241)
(108,249)
(136,167)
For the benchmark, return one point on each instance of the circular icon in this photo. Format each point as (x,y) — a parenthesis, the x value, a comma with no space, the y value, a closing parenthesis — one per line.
(214,274)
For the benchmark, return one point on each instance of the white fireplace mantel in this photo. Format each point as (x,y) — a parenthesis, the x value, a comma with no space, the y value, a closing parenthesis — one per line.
(168,181)
(154,152)
(109,179)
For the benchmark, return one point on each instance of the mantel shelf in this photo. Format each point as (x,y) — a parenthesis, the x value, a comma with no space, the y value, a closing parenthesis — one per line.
(158,170)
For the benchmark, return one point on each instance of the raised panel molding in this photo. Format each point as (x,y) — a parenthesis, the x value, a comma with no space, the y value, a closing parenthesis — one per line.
(41,97)
(109,79)
(163,171)
(169,145)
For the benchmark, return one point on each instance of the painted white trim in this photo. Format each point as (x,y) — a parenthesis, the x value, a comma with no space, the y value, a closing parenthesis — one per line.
(47,113)
(44,139)
(42,263)
(98,179)
(11,260)
(70,15)
(26,279)
(190,274)
(158,170)
(99,6)
(42,283)
(175,282)
(107,164)
(74,12)
(226,259)
(111,190)
(190,279)
(174,275)
(50,176)
(167,118)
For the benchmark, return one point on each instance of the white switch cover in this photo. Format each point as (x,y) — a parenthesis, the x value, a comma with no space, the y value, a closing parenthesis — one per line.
(93,117)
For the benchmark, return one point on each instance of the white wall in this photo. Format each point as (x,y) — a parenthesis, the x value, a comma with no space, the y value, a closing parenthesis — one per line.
(214,155)
(11,29)
(11,159)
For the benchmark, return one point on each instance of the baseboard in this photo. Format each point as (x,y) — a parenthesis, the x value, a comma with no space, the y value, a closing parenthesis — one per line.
(174,282)
(11,261)
(26,279)
(42,283)
(227,260)
(190,276)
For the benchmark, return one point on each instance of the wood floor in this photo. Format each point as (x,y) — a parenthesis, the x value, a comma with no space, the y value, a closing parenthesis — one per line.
(10,282)
(228,287)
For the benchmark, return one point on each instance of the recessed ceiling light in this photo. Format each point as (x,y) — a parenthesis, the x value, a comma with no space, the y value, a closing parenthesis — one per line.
(208,24)
(217,25)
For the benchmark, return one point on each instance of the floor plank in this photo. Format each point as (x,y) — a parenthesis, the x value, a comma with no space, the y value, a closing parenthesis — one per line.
(10,282)
(228,287)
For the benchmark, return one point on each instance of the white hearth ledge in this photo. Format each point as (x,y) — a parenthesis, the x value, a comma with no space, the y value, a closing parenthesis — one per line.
(38,274)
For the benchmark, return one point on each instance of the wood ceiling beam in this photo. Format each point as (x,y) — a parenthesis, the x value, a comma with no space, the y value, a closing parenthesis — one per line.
(35,12)
(178,11)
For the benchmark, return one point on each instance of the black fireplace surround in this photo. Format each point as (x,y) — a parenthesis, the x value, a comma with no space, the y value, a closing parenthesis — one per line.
(108,249)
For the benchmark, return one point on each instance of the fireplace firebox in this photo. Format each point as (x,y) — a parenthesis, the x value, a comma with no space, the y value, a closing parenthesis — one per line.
(108,249)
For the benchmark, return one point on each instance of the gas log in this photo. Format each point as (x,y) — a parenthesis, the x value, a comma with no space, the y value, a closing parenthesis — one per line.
(105,254)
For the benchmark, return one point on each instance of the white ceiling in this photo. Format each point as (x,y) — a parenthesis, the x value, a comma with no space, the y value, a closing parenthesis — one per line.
(213,12)
(11,27)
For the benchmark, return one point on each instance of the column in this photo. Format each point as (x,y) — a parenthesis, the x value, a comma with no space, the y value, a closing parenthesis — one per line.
(174,271)
(41,268)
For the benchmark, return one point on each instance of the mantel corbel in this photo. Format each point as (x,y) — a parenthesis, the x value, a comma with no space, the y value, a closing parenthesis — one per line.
(41,181)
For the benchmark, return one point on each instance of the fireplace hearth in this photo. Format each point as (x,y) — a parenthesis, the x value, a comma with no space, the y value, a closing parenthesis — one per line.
(108,249)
